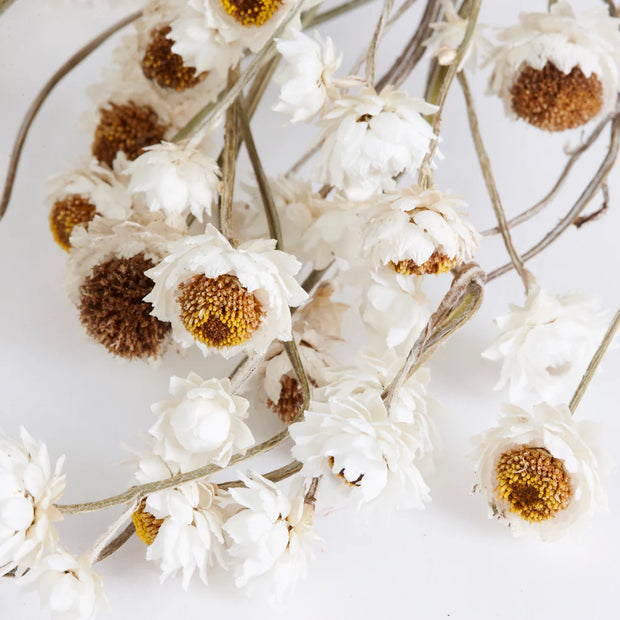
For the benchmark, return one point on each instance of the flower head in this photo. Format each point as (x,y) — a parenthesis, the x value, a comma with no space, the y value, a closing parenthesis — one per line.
(225,299)
(546,344)
(557,70)
(270,538)
(540,470)
(370,138)
(29,489)
(175,180)
(202,424)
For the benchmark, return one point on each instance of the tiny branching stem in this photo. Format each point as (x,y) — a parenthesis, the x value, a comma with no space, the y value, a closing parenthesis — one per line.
(594,363)
(371,57)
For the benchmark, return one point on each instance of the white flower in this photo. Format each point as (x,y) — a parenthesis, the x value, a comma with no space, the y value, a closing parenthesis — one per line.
(370,138)
(69,589)
(448,35)
(307,77)
(417,231)
(225,299)
(394,308)
(540,470)
(554,97)
(361,452)
(270,538)
(175,180)
(29,489)
(201,425)
(546,344)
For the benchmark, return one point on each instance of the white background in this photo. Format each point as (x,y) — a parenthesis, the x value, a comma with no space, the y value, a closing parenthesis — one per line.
(448,561)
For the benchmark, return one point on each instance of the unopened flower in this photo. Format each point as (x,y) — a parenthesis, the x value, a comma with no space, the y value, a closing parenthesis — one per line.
(202,424)
(417,231)
(546,344)
(270,538)
(361,452)
(77,196)
(29,489)
(307,77)
(370,138)
(226,299)
(557,70)
(69,589)
(540,470)
(175,180)
(106,280)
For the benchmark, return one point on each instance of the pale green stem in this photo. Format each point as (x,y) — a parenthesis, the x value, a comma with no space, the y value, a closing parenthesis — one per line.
(594,363)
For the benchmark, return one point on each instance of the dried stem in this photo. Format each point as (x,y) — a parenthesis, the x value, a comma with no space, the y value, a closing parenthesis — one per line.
(229,163)
(138,492)
(489,179)
(114,545)
(589,192)
(5,4)
(541,204)
(371,57)
(293,355)
(591,217)
(594,363)
(275,476)
(456,308)
(35,106)
(341,9)
(109,535)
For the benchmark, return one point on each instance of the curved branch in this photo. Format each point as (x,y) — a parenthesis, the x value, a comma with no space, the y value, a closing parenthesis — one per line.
(35,106)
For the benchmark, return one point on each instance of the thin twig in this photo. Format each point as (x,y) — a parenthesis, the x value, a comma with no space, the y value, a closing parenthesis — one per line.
(489,179)
(591,217)
(117,543)
(5,4)
(345,7)
(35,106)
(293,355)
(371,57)
(108,536)
(275,476)
(594,363)
(582,202)
(575,154)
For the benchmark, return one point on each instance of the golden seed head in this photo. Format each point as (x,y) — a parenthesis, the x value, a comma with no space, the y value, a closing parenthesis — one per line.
(437,263)
(126,127)
(166,68)
(68,213)
(218,312)
(147,526)
(534,484)
(555,101)
(251,12)
(290,402)
(113,312)
(355,483)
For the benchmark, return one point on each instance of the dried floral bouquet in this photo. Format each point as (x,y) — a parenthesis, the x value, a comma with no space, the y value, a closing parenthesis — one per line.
(168,249)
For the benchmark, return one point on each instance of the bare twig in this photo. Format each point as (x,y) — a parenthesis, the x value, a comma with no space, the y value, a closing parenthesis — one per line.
(341,9)
(114,545)
(371,57)
(489,179)
(109,535)
(275,476)
(591,217)
(582,202)
(39,100)
(5,4)
(293,355)
(594,363)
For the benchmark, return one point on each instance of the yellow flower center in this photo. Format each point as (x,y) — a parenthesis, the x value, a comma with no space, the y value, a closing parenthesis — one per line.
(555,101)
(68,213)
(218,312)
(251,12)
(437,263)
(147,526)
(166,68)
(534,484)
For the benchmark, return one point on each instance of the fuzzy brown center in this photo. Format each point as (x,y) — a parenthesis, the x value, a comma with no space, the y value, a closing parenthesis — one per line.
(534,484)
(147,526)
(126,127)
(166,68)
(113,311)
(218,312)
(68,213)
(555,101)
(251,12)
(437,263)
(290,402)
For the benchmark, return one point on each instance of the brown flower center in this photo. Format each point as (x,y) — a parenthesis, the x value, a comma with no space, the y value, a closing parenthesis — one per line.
(126,127)
(166,68)
(290,402)
(251,12)
(147,526)
(219,312)
(355,483)
(437,263)
(113,312)
(68,213)
(534,484)
(555,101)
